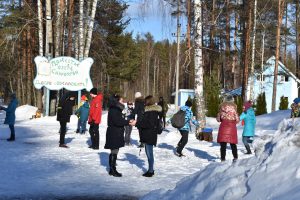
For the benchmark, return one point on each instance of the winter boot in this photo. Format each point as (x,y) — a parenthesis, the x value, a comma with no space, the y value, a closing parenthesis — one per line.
(248,150)
(12,138)
(112,161)
(148,174)
(77,130)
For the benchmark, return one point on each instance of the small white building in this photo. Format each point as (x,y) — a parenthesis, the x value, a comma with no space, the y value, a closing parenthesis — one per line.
(183,95)
(287,84)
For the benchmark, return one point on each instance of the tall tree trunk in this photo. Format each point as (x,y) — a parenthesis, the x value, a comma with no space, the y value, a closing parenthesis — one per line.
(228,68)
(235,66)
(253,54)
(247,48)
(41,47)
(70,27)
(285,33)
(57,28)
(29,64)
(90,29)
(81,32)
(297,42)
(200,108)
(280,14)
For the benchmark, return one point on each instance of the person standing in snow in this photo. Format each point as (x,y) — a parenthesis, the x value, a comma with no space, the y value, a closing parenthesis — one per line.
(128,129)
(248,116)
(95,117)
(184,131)
(11,116)
(138,110)
(64,112)
(164,107)
(228,117)
(148,124)
(83,114)
(295,106)
(115,131)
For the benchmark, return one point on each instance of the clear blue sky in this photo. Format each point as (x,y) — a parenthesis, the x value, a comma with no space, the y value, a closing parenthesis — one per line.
(152,17)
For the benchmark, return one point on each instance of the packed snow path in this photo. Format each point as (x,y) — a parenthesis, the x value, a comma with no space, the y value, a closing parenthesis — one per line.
(34,167)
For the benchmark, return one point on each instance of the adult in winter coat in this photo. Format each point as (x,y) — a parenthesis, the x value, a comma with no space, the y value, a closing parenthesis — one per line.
(164,107)
(228,117)
(11,116)
(138,111)
(64,112)
(248,116)
(83,114)
(128,129)
(95,117)
(184,131)
(115,131)
(149,125)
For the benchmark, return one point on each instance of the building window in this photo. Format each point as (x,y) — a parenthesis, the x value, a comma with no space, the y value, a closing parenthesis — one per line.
(286,78)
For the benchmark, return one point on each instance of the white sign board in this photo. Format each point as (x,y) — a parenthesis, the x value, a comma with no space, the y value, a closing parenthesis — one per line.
(63,72)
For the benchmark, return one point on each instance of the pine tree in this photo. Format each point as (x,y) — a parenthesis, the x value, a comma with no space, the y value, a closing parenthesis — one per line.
(261,105)
(239,103)
(212,95)
(284,103)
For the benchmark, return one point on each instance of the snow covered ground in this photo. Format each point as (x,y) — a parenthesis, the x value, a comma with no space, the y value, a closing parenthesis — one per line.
(34,167)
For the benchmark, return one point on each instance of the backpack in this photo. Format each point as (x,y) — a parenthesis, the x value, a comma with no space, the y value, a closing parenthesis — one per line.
(178,119)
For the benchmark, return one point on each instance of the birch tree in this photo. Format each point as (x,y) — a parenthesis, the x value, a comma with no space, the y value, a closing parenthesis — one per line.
(280,15)
(200,107)
(90,28)
(253,53)
(80,30)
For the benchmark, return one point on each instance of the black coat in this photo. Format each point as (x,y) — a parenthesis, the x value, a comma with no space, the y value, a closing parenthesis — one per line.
(115,127)
(148,124)
(138,108)
(65,107)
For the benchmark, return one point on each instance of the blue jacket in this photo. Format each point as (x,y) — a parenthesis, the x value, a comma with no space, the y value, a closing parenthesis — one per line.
(10,112)
(83,112)
(250,121)
(188,118)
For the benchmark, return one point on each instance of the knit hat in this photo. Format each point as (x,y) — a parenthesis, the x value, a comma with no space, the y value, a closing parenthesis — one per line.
(94,91)
(247,105)
(229,98)
(84,98)
(138,95)
(188,103)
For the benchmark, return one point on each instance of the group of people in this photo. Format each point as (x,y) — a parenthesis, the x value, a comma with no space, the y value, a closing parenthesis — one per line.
(228,116)
(146,115)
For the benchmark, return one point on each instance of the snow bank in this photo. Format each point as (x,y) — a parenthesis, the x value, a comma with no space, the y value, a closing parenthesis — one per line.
(25,112)
(273,174)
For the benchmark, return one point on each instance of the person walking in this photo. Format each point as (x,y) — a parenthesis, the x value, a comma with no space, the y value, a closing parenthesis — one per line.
(138,111)
(165,108)
(115,131)
(248,116)
(11,116)
(228,117)
(148,124)
(95,117)
(184,131)
(64,112)
(128,129)
(83,114)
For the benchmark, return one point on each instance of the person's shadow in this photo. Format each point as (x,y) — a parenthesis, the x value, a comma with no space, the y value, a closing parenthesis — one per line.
(167,146)
(135,160)
(69,140)
(104,159)
(202,154)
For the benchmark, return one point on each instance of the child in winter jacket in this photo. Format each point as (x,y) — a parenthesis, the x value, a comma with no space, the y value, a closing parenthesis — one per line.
(248,116)
(184,131)
(128,129)
(295,108)
(83,114)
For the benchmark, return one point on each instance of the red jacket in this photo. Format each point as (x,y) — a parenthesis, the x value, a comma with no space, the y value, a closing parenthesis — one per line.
(229,118)
(96,109)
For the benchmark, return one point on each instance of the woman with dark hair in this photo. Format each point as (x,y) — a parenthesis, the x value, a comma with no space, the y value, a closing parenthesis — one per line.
(149,126)
(115,131)
(64,112)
